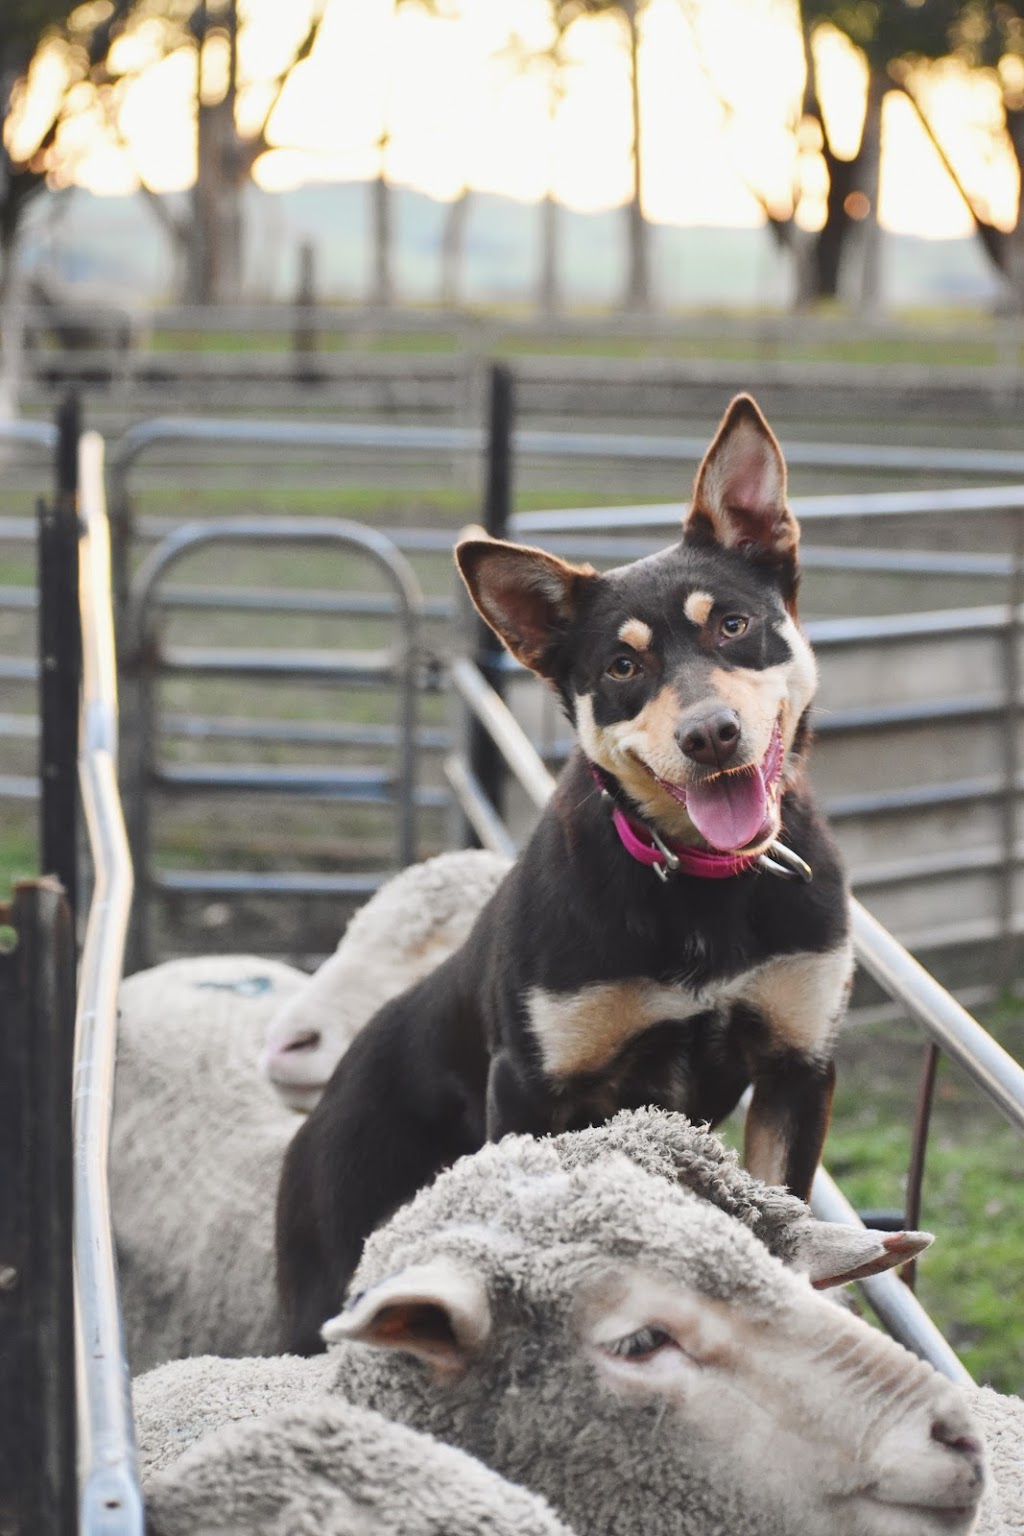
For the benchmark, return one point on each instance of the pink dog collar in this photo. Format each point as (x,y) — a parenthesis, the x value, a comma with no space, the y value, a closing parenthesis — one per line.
(666,858)
(643,845)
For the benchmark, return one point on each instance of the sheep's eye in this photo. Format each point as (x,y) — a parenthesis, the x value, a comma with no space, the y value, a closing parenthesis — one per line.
(622,669)
(733,625)
(642,1344)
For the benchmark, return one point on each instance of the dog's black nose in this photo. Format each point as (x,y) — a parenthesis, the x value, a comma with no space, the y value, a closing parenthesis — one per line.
(712,739)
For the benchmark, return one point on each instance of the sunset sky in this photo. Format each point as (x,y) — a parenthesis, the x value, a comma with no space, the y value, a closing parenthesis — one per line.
(458,110)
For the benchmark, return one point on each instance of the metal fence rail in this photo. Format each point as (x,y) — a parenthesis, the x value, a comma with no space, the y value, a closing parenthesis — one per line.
(998,1076)
(149,660)
(111,1504)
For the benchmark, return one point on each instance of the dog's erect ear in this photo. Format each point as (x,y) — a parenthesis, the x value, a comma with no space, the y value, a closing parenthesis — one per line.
(739,498)
(526,596)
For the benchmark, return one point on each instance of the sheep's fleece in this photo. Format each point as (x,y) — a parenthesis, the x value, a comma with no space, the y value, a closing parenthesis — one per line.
(196,1146)
(180,1402)
(414,921)
(331,1469)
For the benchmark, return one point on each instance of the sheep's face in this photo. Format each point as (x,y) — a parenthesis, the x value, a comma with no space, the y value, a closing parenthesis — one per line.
(635,1355)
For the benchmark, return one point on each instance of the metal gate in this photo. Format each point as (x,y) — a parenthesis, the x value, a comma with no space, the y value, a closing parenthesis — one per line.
(148,660)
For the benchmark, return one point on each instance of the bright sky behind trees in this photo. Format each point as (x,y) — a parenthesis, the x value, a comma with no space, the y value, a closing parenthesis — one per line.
(719,97)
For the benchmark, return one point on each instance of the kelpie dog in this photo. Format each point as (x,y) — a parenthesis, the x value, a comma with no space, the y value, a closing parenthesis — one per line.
(675,928)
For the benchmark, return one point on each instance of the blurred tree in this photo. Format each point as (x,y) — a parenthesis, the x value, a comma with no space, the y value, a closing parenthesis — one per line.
(894,38)
(564,13)
(98,70)
(24,25)
(986,35)
(382,280)
(887,33)
(210,236)
(552,64)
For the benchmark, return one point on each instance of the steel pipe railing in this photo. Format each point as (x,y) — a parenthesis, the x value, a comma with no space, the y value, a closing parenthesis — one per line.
(110,1501)
(897,1307)
(962,1038)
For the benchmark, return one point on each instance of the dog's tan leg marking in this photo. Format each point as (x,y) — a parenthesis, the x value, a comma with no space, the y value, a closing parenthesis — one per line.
(697,607)
(636,633)
(583,1031)
(765,1150)
(801,998)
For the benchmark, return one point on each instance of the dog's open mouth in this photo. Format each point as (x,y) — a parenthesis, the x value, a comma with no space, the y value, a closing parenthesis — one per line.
(733,808)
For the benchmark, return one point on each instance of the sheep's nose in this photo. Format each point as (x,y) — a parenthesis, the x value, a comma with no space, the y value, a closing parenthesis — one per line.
(711,739)
(308,1040)
(952,1436)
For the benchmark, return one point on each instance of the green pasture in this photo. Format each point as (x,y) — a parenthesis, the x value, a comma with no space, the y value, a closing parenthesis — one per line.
(930,338)
(972,1279)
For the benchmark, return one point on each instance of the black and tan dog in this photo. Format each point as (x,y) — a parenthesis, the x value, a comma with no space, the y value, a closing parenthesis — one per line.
(676,927)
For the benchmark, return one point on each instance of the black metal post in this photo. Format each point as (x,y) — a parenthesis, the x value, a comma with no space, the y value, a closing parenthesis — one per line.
(60,664)
(38,1491)
(485,761)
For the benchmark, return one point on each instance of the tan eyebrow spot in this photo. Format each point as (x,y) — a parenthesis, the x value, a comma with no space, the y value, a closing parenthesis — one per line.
(636,633)
(697,607)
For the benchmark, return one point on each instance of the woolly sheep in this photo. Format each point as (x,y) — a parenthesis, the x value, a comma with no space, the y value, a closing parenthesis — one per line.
(413,923)
(632,1353)
(196,1147)
(331,1469)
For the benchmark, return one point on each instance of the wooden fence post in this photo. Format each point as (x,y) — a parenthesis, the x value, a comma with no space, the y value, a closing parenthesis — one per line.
(38,1492)
(60,662)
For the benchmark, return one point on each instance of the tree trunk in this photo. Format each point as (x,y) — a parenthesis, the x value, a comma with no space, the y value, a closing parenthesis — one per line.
(214,274)
(453,242)
(638,288)
(215,245)
(870,161)
(548,291)
(382,290)
(1014,241)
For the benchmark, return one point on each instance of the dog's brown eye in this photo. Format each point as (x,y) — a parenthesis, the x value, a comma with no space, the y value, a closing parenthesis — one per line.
(733,625)
(622,669)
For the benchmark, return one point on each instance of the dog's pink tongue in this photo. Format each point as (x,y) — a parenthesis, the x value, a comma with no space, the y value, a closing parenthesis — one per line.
(730,810)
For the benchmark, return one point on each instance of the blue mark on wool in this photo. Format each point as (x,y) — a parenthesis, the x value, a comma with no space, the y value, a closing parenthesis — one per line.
(246,986)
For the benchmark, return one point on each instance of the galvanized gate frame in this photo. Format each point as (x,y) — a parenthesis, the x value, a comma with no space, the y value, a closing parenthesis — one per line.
(147,660)
(110,1500)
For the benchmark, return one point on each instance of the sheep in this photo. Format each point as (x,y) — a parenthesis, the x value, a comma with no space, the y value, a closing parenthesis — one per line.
(331,1469)
(198,1138)
(197,1141)
(603,1336)
(413,923)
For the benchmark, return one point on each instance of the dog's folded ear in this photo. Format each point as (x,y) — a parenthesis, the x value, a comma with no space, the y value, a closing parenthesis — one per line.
(526,596)
(739,497)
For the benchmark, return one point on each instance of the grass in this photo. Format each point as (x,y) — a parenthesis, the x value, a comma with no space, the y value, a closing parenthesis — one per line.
(973,1200)
(927,340)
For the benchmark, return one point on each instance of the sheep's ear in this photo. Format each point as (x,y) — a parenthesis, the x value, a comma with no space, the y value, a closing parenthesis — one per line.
(528,597)
(739,497)
(438,1311)
(829,1253)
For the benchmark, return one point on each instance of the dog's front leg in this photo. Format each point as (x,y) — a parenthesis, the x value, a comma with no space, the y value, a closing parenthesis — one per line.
(787,1119)
(513,1103)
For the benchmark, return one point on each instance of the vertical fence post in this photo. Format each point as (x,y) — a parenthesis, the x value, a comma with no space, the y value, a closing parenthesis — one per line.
(485,761)
(1011,756)
(38,1491)
(60,661)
